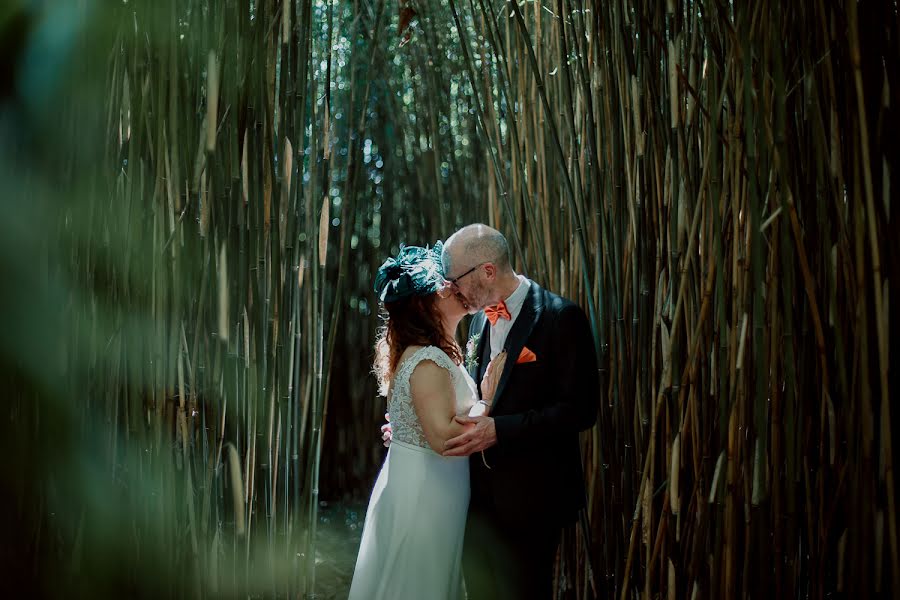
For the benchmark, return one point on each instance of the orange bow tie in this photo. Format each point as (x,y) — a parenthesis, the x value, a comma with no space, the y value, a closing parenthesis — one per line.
(497,312)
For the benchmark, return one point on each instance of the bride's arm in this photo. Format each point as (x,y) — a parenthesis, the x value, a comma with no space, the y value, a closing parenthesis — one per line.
(434,401)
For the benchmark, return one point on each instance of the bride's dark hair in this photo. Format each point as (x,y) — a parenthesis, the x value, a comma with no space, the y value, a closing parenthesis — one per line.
(409,321)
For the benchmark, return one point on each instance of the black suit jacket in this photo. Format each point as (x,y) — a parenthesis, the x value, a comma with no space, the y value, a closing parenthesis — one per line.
(538,410)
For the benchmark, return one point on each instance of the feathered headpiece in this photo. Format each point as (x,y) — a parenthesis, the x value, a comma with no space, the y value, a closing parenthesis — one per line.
(415,271)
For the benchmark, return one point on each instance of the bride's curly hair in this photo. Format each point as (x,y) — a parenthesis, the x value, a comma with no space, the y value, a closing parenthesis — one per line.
(410,321)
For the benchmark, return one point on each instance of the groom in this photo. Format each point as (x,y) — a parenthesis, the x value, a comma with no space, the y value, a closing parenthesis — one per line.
(525,468)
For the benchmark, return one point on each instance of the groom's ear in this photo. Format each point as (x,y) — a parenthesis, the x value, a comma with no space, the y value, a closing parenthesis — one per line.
(490,269)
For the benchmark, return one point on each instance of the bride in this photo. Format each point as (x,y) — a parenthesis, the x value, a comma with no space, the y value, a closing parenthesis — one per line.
(412,538)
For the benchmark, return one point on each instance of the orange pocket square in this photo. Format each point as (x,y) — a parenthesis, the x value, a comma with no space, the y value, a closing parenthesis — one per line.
(526,356)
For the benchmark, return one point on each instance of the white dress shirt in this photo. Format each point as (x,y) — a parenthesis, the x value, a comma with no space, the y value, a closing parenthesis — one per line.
(514,303)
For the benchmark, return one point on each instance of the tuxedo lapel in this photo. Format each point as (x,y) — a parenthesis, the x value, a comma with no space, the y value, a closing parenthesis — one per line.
(518,335)
(484,354)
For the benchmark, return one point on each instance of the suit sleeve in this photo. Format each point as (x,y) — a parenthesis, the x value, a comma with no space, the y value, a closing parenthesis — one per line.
(573,407)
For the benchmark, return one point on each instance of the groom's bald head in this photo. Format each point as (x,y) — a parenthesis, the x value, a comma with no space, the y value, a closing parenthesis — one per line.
(474,244)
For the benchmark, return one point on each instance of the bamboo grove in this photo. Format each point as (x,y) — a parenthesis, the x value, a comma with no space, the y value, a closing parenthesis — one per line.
(711,181)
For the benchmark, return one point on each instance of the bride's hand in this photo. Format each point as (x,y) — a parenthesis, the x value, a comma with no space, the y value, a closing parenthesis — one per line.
(386,431)
(492,377)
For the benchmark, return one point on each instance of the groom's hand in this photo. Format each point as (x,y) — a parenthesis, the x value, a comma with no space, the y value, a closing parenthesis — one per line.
(482,435)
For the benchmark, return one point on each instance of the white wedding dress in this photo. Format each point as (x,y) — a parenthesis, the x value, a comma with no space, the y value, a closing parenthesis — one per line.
(412,539)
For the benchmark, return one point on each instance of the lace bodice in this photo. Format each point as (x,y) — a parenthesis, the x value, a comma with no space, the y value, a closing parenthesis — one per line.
(404,422)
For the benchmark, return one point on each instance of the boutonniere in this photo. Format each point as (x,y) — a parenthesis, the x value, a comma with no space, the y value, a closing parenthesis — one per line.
(471,349)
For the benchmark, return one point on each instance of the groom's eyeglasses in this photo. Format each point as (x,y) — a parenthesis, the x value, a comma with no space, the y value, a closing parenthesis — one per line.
(455,279)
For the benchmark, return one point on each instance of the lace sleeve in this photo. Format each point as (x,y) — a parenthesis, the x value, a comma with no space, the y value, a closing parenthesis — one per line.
(432,353)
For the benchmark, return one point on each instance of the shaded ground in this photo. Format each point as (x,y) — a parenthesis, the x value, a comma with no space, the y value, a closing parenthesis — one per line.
(337,542)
